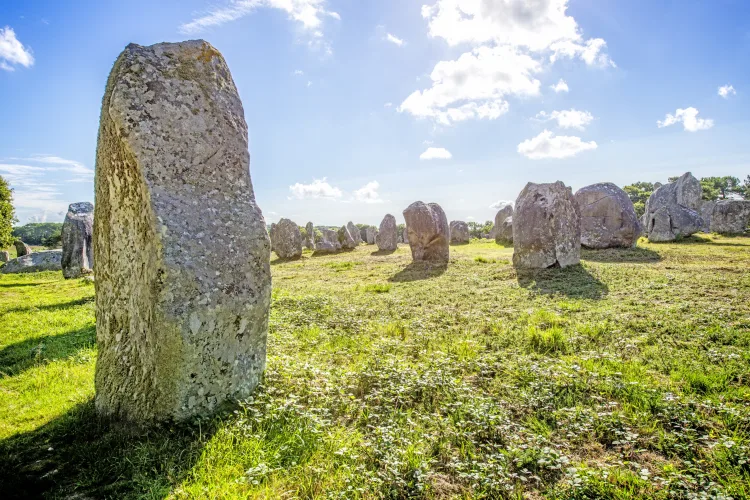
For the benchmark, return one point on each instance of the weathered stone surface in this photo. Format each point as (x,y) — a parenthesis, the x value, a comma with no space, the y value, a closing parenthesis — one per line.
(183,278)
(546,227)
(504,233)
(21,248)
(387,238)
(48,260)
(371,234)
(310,239)
(428,232)
(405,235)
(4,256)
(346,239)
(730,216)
(500,216)
(287,240)
(271,230)
(354,233)
(706,210)
(672,210)
(328,243)
(459,231)
(608,218)
(77,247)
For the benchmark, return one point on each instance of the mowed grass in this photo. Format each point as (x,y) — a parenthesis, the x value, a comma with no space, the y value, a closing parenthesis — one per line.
(624,377)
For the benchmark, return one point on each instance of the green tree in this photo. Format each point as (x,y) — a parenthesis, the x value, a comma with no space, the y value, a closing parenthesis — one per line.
(35,233)
(54,240)
(719,188)
(639,193)
(7,214)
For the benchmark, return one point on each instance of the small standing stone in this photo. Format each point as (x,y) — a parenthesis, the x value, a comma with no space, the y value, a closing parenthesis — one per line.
(77,247)
(504,233)
(428,232)
(287,240)
(310,240)
(672,211)
(371,234)
(387,238)
(329,242)
(459,232)
(354,233)
(4,256)
(346,238)
(21,248)
(608,218)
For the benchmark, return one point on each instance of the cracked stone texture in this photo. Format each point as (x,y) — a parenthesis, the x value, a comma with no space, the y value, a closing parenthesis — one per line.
(21,248)
(673,210)
(4,256)
(310,240)
(286,240)
(354,232)
(346,238)
(546,227)
(48,260)
(459,231)
(77,247)
(329,242)
(730,216)
(387,237)
(608,218)
(183,278)
(427,231)
(500,216)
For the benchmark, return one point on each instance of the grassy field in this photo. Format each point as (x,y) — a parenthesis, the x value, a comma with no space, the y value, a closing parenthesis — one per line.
(625,377)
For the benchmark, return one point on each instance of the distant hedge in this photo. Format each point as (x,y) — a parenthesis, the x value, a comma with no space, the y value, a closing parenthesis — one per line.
(37,233)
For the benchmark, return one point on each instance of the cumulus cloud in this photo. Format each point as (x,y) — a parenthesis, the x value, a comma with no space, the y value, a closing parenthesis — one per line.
(12,52)
(475,85)
(689,119)
(727,90)
(560,86)
(368,193)
(318,188)
(501,204)
(548,145)
(394,39)
(568,118)
(436,154)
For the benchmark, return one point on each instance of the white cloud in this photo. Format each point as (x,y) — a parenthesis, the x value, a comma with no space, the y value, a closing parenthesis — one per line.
(368,193)
(568,118)
(548,145)
(318,188)
(298,72)
(689,119)
(560,86)
(12,52)
(436,154)
(394,39)
(308,13)
(388,104)
(726,90)
(474,86)
(501,204)
(591,52)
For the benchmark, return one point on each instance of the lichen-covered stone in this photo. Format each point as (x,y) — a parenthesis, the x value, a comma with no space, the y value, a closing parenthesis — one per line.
(21,248)
(354,232)
(48,260)
(459,231)
(608,218)
(286,240)
(328,243)
(4,256)
(77,247)
(672,211)
(183,279)
(428,232)
(546,227)
(347,239)
(387,237)
(730,216)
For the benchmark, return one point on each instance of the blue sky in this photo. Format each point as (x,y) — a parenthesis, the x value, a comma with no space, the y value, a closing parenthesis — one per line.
(357,108)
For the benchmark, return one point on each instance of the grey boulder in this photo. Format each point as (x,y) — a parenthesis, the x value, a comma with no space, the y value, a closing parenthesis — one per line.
(428,232)
(459,231)
(346,239)
(672,211)
(387,237)
(77,235)
(730,216)
(21,248)
(608,218)
(286,240)
(328,243)
(4,256)
(504,232)
(354,232)
(48,260)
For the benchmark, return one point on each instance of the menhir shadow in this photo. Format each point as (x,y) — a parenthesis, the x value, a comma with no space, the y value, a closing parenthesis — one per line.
(382,253)
(81,455)
(419,271)
(19,357)
(573,281)
(614,255)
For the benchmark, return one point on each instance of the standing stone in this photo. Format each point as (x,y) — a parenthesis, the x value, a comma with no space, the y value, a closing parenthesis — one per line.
(329,242)
(405,235)
(4,256)
(48,260)
(504,234)
(608,218)
(706,210)
(387,237)
(546,227)
(371,235)
(183,278)
(346,238)
(672,211)
(354,233)
(730,216)
(22,248)
(286,240)
(459,231)
(428,232)
(77,248)
(500,216)
(310,240)
(271,230)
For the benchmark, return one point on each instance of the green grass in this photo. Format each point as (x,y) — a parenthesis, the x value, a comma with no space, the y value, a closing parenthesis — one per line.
(624,377)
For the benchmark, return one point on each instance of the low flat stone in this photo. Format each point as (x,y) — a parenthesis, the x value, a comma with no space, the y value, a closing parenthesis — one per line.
(48,260)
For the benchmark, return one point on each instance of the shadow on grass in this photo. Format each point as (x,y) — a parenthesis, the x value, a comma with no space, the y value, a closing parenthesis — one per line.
(16,285)
(615,255)
(54,307)
(724,240)
(80,455)
(279,260)
(326,254)
(574,282)
(19,357)
(382,253)
(419,271)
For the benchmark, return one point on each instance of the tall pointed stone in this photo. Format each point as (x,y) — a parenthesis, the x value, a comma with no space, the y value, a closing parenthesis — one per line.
(77,247)
(183,281)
